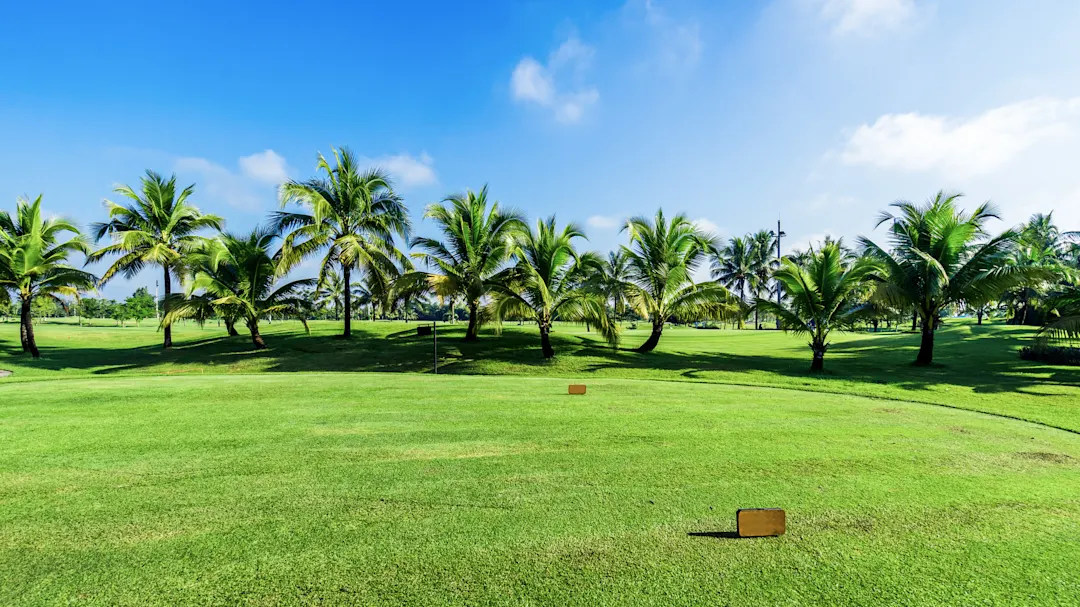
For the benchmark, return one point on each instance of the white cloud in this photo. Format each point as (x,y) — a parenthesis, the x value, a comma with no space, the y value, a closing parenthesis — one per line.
(867,17)
(531,82)
(677,44)
(604,222)
(220,184)
(961,148)
(558,85)
(706,225)
(267,167)
(408,171)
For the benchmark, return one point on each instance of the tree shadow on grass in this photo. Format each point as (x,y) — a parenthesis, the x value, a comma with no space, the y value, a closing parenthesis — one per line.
(881,359)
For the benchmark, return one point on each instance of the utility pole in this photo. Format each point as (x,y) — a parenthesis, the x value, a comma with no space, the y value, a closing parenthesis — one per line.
(779,290)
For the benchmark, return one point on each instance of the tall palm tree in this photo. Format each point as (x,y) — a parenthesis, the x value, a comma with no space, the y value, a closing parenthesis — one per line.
(33,262)
(663,255)
(332,292)
(611,281)
(478,238)
(822,295)
(942,256)
(240,272)
(548,282)
(157,227)
(733,266)
(763,263)
(350,214)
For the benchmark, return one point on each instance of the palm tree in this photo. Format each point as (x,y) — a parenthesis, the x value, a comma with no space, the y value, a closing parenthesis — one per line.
(548,283)
(240,273)
(611,281)
(663,255)
(352,215)
(733,266)
(332,292)
(33,262)
(478,238)
(822,295)
(158,227)
(763,263)
(943,256)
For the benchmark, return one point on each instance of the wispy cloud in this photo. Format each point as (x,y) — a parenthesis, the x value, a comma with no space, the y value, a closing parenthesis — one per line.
(867,17)
(557,85)
(675,43)
(961,147)
(408,171)
(707,226)
(267,167)
(247,188)
(604,222)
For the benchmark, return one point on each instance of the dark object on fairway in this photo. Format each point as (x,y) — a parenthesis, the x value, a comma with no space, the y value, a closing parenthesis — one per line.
(760,522)
(577,388)
(423,330)
(721,535)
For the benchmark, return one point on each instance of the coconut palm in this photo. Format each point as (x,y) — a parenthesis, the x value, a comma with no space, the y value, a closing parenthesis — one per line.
(331,292)
(823,295)
(733,266)
(1065,323)
(478,238)
(547,283)
(158,227)
(350,215)
(239,273)
(611,280)
(33,262)
(942,256)
(663,254)
(763,264)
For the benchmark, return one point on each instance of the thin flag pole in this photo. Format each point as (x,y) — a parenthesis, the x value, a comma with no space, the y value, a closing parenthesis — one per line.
(435,346)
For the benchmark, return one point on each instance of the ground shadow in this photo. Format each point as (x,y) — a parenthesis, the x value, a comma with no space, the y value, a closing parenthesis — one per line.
(721,535)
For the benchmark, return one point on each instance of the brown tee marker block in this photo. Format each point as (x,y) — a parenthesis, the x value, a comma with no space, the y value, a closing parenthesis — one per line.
(577,388)
(761,522)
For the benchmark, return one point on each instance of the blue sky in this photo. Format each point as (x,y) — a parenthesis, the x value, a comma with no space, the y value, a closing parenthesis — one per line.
(819,111)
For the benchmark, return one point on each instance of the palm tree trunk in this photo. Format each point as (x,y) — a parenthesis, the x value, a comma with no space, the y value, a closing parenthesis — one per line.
(654,337)
(926,348)
(757,324)
(474,321)
(165,308)
(545,340)
(742,301)
(345,271)
(230,327)
(818,364)
(256,337)
(27,332)
(979,315)
(915,319)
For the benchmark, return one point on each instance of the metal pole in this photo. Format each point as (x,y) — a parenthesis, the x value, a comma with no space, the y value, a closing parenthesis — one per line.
(779,290)
(435,345)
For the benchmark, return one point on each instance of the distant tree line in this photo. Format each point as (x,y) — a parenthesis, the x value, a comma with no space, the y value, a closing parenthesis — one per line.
(490,265)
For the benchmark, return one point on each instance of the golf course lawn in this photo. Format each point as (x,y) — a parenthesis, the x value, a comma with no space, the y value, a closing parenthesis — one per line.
(212,474)
(341,489)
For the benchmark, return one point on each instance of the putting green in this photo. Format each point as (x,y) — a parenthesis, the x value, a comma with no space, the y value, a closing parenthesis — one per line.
(398,488)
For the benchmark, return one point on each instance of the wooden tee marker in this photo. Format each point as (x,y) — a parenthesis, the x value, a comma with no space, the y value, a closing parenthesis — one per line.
(577,388)
(760,522)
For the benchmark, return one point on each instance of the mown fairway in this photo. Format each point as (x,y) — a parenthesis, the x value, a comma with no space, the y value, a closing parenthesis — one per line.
(195,477)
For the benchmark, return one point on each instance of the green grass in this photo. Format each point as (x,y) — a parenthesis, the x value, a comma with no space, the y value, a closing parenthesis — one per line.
(977,366)
(214,475)
(327,489)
